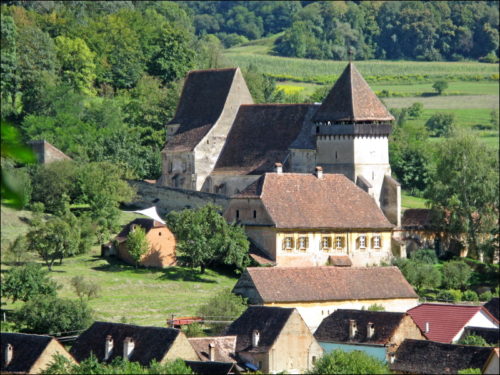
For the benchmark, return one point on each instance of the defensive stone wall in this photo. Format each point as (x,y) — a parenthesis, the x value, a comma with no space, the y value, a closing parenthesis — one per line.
(168,199)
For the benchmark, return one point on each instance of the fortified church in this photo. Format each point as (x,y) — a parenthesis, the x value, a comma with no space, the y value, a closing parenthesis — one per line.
(221,142)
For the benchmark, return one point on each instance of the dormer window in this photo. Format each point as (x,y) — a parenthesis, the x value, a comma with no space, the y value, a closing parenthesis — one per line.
(362,242)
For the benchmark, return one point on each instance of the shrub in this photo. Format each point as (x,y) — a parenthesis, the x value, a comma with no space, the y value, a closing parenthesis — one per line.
(427,256)
(470,295)
(456,275)
(376,307)
(440,124)
(137,244)
(223,306)
(449,295)
(440,86)
(473,340)
(193,330)
(486,296)
(470,371)
(84,288)
(355,362)
(415,110)
(52,315)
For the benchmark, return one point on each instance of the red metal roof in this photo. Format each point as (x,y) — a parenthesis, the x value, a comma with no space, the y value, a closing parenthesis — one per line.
(445,320)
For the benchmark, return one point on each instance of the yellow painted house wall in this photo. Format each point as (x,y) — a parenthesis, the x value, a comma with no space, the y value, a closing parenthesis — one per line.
(314,312)
(317,255)
(53,348)
(181,348)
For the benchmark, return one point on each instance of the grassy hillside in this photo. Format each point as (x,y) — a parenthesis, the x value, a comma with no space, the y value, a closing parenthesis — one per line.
(141,296)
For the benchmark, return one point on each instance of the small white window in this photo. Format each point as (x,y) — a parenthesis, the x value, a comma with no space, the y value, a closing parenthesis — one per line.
(325,243)
(362,242)
(376,242)
(303,243)
(339,242)
(288,243)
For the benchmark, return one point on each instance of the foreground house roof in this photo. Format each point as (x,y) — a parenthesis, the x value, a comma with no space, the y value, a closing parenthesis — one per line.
(209,368)
(335,327)
(224,347)
(445,321)
(309,284)
(302,200)
(202,100)
(150,343)
(429,357)
(27,349)
(351,99)
(146,224)
(268,321)
(260,136)
(493,306)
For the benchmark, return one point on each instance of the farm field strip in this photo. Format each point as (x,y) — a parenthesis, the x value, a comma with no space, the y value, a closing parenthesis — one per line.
(446,102)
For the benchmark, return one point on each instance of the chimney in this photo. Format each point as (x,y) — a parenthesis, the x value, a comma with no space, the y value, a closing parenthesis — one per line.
(128,347)
(392,357)
(278,168)
(370,330)
(108,347)
(255,338)
(9,353)
(353,328)
(211,352)
(319,172)
(427,327)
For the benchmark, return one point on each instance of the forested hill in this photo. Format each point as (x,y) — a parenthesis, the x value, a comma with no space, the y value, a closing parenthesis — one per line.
(421,30)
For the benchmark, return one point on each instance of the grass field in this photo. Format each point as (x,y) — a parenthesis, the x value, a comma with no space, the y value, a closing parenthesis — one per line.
(408,201)
(141,296)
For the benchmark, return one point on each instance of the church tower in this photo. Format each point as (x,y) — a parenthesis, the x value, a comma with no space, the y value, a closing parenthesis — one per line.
(352,137)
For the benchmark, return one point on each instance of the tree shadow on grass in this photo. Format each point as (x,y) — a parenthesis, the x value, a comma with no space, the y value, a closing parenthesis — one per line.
(183,274)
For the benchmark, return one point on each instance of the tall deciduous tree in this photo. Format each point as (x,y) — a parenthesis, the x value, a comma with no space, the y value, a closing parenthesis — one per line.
(27,282)
(76,63)
(464,189)
(137,244)
(8,63)
(204,238)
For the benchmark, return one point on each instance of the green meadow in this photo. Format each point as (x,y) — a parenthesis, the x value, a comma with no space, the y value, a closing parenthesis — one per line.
(141,296)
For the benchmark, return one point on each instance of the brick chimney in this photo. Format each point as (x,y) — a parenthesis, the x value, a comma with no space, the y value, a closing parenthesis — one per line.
(353,328)
(9,353)
(370,330)
(128,347)
(319,172)
(211,352)
(278,168)
(108,347)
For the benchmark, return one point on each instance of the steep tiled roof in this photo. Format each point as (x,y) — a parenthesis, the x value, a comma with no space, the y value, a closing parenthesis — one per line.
(335,327)
(202,101)
(150,342)
(260,137)
(429,357)
(445,321)
(269,321)
(493,306)
(300,200)
(260,256)
(26,351)
(303,284)
(224,347)
(351,99)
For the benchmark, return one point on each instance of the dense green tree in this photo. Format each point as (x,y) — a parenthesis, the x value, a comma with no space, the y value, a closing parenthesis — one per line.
(52,315)
(473,340)
(440,124)
(76,63)
(440,86)
(8,65)
(223,306)
(418,274)
(61,365)
(53,240)
(204,238)
(456,275)
(355,362)
(464,190)
(137,244)
(427,256)
(26,282)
